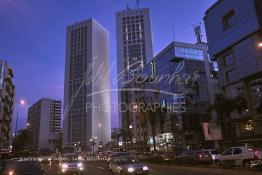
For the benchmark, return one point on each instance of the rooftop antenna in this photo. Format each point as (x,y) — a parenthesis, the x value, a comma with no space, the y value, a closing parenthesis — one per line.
(173,33)
(197,29)
(138,3)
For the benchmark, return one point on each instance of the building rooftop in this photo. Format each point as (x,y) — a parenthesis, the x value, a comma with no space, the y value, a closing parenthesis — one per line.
(213,6)
(180,44)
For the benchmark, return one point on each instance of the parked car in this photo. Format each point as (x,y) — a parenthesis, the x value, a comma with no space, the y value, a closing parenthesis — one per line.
(127,165)
(240,156)
(214,153)
(23,167)
(194,157)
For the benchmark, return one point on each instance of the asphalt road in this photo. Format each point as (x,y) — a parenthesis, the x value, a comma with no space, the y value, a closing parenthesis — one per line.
(100,168)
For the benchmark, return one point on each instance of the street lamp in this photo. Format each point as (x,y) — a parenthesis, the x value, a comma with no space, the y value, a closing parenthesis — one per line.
(130,126)
(100,126)
(22,103)
(27,124)
(260,45)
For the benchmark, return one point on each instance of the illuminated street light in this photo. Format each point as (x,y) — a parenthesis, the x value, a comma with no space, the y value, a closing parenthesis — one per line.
(100,126)
(260,44)
(130,126)
(27,124)
(22,103)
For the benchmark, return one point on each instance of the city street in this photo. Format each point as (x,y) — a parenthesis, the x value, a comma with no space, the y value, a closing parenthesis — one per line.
(100,168)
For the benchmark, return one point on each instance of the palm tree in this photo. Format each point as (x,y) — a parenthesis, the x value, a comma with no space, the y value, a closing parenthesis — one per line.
(162,119)
(152,119)
(21,141)
(224,107)
(143,116)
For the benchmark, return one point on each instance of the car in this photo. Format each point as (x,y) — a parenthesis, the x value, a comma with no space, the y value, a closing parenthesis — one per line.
(71,165)
(245,156)
(127,165)
(194,157)
(23,167)
(117,154)
(214,153)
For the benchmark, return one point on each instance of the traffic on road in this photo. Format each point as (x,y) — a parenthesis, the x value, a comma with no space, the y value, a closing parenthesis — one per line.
(245,158)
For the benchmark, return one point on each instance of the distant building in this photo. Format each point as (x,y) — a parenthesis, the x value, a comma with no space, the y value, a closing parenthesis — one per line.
(7,91)
(44,123)
(134,44)
(234,31)
(87,113)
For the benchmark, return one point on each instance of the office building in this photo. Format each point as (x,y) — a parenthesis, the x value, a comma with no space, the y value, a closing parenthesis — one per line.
(86,96)
(180,86)
(234,33)
(186,89)
(134,44)
(7,91)
(44,124)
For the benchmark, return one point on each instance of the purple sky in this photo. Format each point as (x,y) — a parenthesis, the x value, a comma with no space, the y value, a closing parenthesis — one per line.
(32,37)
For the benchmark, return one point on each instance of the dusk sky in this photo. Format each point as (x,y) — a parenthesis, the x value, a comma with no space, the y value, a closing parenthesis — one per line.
(32,37)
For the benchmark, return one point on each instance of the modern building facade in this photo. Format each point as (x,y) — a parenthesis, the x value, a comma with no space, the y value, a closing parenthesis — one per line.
(234,31)
(179,86)
(87,96)
(7,92)
(44,124)
(134,44)
(186,89)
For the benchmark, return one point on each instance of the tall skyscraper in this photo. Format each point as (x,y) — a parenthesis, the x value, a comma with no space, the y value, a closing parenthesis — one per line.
(7,91)
(134,44)
(87,97)
(44,123)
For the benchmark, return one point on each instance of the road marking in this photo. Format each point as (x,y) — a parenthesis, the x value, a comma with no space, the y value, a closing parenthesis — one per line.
(100,168)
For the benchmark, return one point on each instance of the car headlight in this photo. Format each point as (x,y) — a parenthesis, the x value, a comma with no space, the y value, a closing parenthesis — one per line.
(79,165)
(64,165)
(145,168)
(130,170)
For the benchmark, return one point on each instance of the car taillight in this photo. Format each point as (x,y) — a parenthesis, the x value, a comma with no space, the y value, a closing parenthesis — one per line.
(256,154)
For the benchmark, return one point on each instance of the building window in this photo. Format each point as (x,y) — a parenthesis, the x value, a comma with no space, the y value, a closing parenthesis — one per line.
(228,59)
(231,75)
(190,53)
(229,20)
